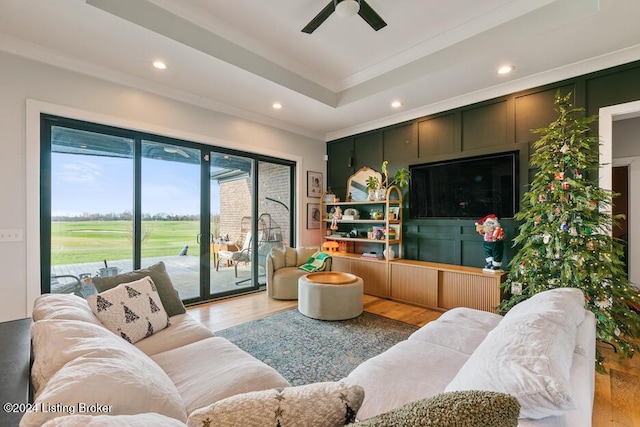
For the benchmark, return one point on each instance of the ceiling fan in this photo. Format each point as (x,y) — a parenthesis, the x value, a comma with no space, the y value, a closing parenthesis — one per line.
(345,8)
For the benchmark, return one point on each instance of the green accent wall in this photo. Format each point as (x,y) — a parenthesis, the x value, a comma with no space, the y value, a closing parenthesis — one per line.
(492,126)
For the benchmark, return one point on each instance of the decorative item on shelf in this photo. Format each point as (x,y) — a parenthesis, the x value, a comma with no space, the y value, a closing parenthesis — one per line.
(351,214)
(372,186)
(371,255)
(370,233)
(337,213)
(389,253)
(378,233)
(353,233)
(391,233)
(330,246)
(399,178)
(394,213)
(329,196)
(376,214)
(342,247)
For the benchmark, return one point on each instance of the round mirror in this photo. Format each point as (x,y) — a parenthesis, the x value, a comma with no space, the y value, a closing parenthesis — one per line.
(357,184)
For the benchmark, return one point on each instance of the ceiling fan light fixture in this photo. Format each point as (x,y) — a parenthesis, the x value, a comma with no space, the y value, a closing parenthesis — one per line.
(347,8)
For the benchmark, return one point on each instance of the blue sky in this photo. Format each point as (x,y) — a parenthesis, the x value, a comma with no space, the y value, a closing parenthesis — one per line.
(95,184)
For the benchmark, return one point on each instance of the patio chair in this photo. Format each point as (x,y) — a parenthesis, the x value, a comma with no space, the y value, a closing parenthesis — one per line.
(243,255)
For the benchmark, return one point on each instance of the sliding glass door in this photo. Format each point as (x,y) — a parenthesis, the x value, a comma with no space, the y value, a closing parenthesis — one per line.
(170,205)
(115,200)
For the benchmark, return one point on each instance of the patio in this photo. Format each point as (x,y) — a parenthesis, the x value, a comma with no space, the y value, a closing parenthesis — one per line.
(183,270)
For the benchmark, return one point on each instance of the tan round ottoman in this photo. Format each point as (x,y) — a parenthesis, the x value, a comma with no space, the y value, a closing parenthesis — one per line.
(330,295)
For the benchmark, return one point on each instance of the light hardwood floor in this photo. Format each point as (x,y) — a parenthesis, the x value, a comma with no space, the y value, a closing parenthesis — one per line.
(617,395)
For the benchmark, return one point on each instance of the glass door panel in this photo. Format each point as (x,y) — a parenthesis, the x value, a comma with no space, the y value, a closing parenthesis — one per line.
(170,213)
(231,224)
(91,206)
(274,218)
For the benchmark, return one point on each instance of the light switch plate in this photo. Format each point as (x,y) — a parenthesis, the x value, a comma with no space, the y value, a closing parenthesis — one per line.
(11,235)
(516,288)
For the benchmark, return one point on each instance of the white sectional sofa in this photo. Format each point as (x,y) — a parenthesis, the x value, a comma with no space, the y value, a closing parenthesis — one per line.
(542,352)
(161,379)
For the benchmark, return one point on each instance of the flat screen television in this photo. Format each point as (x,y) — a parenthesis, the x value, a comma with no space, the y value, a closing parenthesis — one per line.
(471,187)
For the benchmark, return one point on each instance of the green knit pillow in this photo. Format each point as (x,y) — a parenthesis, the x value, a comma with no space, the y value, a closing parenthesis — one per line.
(472,408)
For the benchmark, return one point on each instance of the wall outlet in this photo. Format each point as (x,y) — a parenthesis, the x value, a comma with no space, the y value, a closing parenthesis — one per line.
(516,288)
(10,235)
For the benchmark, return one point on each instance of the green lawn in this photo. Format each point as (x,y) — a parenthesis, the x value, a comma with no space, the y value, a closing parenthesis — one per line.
(90,241)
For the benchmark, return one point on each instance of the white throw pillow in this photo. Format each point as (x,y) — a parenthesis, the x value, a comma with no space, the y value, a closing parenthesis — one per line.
(325,404)
(56,342)
(131,310)
(116,383)
(529,358)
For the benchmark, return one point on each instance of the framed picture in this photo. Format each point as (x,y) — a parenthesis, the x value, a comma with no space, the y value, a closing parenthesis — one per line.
(314,184)
(313,215)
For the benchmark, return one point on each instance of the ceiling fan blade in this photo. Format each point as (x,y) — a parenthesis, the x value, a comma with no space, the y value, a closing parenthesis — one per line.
(320,18)
(370,16)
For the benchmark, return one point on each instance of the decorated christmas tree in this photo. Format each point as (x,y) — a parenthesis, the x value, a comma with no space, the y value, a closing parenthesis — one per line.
(565,237)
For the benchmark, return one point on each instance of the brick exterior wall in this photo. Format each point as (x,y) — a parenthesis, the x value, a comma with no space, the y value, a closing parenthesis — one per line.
(235,201)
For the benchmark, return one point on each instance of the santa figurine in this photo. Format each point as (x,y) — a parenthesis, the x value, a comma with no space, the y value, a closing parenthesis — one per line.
(493,245)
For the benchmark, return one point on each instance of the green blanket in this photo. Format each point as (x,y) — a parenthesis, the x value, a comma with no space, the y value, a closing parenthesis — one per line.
(317,262)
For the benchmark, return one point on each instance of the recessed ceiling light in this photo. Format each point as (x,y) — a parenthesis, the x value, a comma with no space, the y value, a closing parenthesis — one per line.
(396,104)
(505,69)
(160,65)
(277,105)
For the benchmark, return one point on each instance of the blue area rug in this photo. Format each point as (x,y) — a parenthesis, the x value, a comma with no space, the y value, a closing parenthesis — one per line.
(306,350)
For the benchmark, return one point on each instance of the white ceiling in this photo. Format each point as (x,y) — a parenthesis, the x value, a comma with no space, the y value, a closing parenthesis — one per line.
(240,56)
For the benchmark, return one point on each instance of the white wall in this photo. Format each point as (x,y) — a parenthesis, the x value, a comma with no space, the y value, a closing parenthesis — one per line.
(28,87)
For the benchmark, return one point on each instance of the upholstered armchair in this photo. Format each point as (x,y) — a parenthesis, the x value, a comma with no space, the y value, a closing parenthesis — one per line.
(283,272)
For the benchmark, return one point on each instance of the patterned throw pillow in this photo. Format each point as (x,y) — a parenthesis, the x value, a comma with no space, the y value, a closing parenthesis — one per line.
(327,404)
(132,310)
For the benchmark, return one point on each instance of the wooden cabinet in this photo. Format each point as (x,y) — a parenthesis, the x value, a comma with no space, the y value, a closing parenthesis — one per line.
(414,285)
(445,286)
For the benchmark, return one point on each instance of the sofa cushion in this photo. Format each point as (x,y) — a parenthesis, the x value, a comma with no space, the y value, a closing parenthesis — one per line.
(183,330)
(456,409)
(158,273)
(303,255)
(410,370)
(561,305)
(207,371)
(56,342)
(131,310)
(327,404)
(528,357)
(138,420)
(460,329)
(290,257)
(120,382)
(278,258)
(63,306)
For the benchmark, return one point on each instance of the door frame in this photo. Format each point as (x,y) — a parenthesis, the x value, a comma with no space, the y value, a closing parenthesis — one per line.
(34,110)
(607,115)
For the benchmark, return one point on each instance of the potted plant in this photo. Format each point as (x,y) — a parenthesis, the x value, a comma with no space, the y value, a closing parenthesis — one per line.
(372,185)
(399,178)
